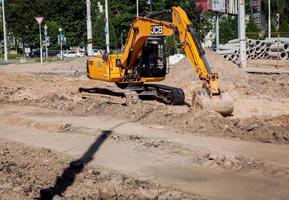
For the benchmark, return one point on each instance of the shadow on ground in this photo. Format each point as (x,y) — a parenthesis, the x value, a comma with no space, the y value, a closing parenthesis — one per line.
(75,167)
(69,174)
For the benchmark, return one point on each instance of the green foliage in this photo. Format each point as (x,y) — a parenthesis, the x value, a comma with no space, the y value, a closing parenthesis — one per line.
(53,33)
(1,30)
(228,29)
(70,15)
(21,22)
(123,12)
(284,29)
(252,30)
(98,33)
(171,43)
(277,6)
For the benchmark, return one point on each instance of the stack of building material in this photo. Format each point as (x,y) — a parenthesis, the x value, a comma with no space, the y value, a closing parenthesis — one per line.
(231,50)
(257,49)
(279,49)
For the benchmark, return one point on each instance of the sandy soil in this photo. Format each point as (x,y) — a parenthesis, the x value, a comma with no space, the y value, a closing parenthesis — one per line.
(29,173)
(265,63)
(148,150)
(180,164)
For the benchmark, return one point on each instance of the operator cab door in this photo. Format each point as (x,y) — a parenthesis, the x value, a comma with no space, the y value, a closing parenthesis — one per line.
(152,62)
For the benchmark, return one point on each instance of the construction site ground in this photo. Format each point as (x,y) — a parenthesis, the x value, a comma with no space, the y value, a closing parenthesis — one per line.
(57,143)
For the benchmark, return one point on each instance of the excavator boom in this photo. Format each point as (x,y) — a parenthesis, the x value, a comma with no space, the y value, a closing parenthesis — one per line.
(194,50)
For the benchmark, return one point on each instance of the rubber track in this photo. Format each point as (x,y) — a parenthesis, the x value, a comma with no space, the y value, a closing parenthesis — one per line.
(177,93)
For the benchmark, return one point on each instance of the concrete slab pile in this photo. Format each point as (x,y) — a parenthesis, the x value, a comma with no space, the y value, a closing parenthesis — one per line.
(270,48)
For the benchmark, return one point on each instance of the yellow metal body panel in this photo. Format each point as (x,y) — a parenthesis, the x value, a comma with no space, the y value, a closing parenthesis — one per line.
(107,71)
(180,19)
(104,70)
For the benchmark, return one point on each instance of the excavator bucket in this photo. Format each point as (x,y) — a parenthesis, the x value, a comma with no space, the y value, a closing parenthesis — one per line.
(222,104)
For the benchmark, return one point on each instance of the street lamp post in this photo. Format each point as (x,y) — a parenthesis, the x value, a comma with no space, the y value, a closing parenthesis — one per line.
(137,8)
(149,2)
(39,21)
(269,19)
(242,33)
(217,31)
(89,28)
(40,40)
(61,43)
(46,40)
(4,33)
(107,27)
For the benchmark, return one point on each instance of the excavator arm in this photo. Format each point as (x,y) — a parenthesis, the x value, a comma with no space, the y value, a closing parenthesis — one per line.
(143,27)
(194,50)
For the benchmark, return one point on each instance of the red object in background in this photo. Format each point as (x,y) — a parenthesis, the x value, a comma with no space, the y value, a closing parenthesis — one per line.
(205,4)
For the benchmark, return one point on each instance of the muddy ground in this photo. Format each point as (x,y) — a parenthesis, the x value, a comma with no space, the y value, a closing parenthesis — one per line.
(28,173)
(261,116)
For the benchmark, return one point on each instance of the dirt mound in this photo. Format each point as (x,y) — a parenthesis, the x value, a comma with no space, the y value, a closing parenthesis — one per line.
(62,95)
(59,93)
(232,80)
(183,75)
(261,129)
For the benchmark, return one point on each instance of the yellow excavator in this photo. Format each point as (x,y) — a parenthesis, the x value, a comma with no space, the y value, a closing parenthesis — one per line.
(144,60)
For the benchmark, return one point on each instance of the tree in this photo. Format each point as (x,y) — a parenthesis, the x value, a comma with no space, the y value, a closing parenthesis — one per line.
(284,29)
(98,32)
(21,23)
(277,6)
(252,30)
(70,15)
(201,23)
(53,32)
(228,29)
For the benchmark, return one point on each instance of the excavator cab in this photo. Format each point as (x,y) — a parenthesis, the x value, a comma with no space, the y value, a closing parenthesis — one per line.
(152,62)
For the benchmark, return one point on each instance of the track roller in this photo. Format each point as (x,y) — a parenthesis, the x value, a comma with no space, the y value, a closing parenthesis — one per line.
(167,94)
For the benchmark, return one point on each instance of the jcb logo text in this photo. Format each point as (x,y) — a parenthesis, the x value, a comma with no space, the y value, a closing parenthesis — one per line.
(156,30)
